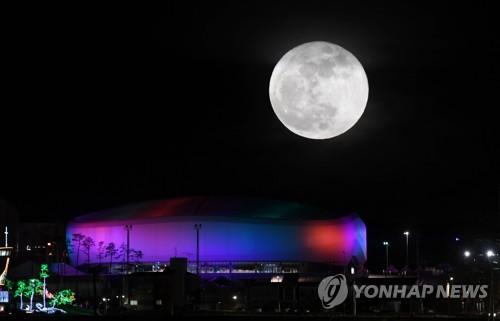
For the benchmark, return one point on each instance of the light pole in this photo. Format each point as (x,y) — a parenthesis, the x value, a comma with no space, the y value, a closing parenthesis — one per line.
(466,255)
(407,261)
(197,228)
(353,272)
(47,251)
(386,244)
(489,254)
(279,304)
(128,228)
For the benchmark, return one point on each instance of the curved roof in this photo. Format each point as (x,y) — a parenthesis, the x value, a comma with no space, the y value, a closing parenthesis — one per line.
(243,207)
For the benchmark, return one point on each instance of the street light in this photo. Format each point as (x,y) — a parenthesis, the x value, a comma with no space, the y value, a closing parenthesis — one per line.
(407,261)
(279,303)
(466,253)
(48,252)
(128,228)
(386,244)
(197,228)
(353,273)
(489,254)
(106,300)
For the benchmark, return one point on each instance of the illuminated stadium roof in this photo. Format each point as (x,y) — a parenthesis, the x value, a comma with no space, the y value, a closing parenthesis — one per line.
(243,207)
(233,229)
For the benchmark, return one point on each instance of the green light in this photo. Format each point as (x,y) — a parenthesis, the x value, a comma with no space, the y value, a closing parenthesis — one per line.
(386,243)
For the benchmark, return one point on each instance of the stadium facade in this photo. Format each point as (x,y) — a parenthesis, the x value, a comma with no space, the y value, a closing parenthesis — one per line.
(235,234)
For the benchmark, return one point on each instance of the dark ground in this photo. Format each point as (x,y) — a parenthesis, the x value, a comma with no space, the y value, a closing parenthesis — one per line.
(227,317)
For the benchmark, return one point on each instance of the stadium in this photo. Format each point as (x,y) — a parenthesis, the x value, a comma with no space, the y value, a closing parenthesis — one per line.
(220,235)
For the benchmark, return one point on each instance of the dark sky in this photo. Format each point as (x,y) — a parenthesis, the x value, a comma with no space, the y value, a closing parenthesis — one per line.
(111,104)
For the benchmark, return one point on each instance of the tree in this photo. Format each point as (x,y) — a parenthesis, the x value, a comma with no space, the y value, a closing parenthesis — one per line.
(101,251)
(69,248)
(32,288)
(44,274)
(87,244)
(9,284)
(21,290)
(123,255)
(136,255)
(28,288)
(63,297)
(111,252)
(78,240)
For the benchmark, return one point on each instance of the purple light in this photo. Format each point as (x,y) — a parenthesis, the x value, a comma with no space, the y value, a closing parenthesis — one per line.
(232,239)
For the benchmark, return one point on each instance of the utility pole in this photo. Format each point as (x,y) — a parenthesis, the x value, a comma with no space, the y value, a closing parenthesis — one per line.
(197,228)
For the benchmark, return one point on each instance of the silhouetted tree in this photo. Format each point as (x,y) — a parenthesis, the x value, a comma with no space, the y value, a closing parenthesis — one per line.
(69,248)
(111,252)
(123,255)
(87,243)
(101,251)
(78,240)
(136,255)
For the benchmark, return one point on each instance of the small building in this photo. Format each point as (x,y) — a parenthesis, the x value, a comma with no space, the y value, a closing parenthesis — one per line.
(171,289)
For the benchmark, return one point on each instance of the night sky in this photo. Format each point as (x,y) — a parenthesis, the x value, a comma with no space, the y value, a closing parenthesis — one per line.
(112,104)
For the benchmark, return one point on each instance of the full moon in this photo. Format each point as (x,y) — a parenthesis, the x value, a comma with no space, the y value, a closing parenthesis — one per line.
(318,90)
